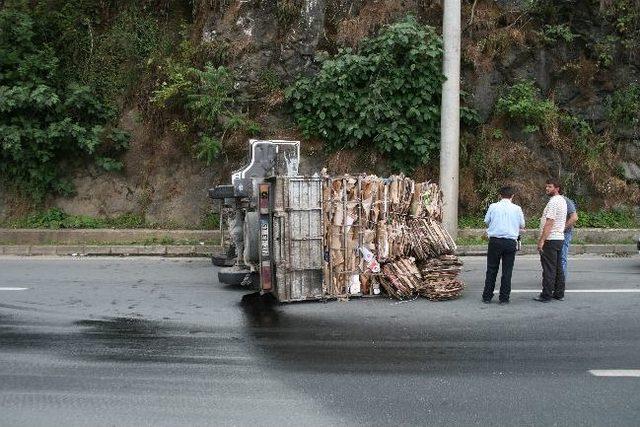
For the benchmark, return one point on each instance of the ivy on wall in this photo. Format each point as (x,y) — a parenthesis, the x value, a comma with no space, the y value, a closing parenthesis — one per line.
(47,121)
(385,96)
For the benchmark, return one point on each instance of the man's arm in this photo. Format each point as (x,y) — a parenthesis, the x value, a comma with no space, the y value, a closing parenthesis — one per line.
(522,223)
(487,217)
(573,218)
(546,230)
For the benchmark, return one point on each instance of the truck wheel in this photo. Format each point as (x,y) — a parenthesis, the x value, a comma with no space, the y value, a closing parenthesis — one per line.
(238,277)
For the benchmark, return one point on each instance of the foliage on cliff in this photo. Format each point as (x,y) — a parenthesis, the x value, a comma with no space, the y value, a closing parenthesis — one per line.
(47,121)
(384,97)
(555,81)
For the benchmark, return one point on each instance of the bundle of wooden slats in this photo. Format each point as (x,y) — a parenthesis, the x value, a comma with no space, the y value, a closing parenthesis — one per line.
(429,238)
(401,278)
(440,280)
(442,289)
(394,221)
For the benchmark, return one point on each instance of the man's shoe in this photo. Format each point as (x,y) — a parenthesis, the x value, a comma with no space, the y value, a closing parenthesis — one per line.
(503,302)
(558,298)
(540,299)
(486,301)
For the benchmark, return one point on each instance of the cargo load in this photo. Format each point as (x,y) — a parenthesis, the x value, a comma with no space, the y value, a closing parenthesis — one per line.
(337,237)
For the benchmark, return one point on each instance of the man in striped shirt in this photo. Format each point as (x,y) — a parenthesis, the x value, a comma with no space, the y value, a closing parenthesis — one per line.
(550,243)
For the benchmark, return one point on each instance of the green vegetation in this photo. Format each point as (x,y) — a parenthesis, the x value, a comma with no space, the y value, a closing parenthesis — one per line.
(48,122)
(287,13)
(605,48)
(472,221)
(620,20)
(55,218)
(469,241)
(68,69)
(104,44)
(585,140)
(623,107)
(618,218)
(551,34)
(624,16)
(483,240)
(384,97)
(523,103)
(469,221)
(210,221)
(202,102)
(613,218)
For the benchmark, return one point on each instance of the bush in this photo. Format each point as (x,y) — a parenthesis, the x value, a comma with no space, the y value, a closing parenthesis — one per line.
(522,102)
(624,16)
(605,49)
(47,122)
(383,97)
(623,107)
(210,221)
(206,97)
(551,34)
(620,218)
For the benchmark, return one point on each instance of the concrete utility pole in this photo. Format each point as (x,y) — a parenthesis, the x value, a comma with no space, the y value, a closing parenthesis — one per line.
(450,115)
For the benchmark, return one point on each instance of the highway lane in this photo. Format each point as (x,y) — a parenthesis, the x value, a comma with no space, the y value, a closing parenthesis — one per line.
(150,341)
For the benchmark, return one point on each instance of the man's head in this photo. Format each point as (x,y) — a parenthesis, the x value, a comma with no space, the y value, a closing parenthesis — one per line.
(552,187)
(507,192)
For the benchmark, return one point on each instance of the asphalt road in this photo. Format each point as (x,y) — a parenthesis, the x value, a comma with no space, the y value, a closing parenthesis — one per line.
(149,341)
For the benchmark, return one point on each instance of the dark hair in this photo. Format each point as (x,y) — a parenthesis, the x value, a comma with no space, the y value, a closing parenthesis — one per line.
(507,192)
(555,183)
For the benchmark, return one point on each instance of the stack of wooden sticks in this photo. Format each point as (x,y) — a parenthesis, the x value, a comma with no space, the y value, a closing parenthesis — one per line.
(377,231)
(440,278)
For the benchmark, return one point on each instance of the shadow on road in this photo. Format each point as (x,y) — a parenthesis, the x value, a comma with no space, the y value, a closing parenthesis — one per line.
(340,342)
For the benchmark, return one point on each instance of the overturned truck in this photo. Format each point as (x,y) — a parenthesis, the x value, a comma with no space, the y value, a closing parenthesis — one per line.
(327,237)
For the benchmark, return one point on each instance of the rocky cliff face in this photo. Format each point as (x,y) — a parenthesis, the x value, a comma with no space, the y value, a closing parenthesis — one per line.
(571,51)
(503,42)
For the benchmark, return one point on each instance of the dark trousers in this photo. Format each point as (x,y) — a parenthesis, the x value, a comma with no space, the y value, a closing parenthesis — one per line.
(499,250)
(552,273)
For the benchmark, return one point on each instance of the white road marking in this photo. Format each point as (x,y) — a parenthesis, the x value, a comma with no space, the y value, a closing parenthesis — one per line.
(615,372)
(13,289)
(579,291)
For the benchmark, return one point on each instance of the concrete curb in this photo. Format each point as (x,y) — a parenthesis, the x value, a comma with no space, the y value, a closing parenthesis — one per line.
(580,249)
(208,250)
(113,250)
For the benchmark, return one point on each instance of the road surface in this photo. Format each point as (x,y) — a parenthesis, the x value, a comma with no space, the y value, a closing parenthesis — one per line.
(150,341)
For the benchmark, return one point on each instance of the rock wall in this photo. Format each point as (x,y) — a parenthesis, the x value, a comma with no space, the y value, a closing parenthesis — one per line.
(286,36)
(159,182)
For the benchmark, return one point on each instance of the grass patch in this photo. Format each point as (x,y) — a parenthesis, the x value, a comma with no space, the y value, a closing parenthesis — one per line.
(474,240)
(210,221)
(470,221)
(619,218)
(613,218)
(55,219)
(483,240)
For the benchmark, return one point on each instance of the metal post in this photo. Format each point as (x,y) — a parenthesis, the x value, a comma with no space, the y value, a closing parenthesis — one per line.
(450,115)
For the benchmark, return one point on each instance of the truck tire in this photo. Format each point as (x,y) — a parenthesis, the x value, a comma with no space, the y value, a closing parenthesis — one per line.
(251,238)
(237,277)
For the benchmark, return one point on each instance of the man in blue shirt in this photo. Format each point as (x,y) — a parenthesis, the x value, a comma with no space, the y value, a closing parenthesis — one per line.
(504,220)
(572,217)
